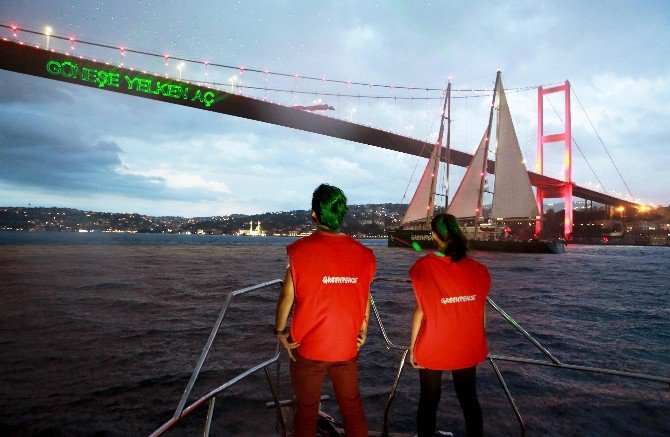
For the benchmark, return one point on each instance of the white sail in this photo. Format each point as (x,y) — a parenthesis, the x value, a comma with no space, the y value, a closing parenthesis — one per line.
(464,203)
(423,201)
(512,192)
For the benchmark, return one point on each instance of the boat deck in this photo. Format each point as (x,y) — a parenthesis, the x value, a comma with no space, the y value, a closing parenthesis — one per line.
(329,425)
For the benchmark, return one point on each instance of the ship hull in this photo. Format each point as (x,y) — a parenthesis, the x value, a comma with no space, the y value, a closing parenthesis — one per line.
(408,237)
(533,246)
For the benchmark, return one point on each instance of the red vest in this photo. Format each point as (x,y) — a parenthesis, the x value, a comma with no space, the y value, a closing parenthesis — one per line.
(452,296)
(331,276)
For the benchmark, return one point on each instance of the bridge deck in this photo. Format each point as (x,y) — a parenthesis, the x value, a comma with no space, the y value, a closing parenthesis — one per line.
(58,66)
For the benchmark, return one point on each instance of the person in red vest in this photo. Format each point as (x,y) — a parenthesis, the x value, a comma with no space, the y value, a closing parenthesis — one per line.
(448,326)
(328,279)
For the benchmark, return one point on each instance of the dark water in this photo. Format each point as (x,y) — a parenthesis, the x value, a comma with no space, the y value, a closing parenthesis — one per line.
(99,334)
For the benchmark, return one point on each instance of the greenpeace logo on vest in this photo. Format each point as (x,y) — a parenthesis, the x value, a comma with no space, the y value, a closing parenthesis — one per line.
(458,299)
(420,237)
(339,280)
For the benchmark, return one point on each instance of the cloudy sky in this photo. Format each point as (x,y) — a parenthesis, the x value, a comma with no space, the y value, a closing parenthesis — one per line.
(71,146)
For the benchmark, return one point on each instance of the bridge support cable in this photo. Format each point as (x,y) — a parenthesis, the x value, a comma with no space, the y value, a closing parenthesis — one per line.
(577,145)
(425,144)
(82,71)
(603,144)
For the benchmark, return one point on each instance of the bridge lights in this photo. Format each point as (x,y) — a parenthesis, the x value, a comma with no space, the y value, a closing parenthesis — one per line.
(179,67)
(47,33)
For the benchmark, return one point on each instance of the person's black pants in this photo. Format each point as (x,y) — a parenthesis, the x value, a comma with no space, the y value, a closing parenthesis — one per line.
(465,383)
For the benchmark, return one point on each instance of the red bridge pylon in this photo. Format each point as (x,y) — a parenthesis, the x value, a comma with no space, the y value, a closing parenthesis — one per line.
(565,191)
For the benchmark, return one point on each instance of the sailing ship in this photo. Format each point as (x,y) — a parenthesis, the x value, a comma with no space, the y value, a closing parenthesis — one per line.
(514,204)
(258,232)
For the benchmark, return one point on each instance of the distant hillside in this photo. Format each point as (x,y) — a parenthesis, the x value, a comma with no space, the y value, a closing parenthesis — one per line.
(366,220)
(663,212)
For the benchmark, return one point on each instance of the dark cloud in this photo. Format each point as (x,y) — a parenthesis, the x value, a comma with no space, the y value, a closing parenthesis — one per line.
(18,88)
(67,137)
(39,152)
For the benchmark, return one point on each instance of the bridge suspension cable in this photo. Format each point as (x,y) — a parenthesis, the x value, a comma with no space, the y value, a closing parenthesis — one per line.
(266,72)
(423,147)
(30,57)
(360,96)
(393,94)
(575,143)
(603,143)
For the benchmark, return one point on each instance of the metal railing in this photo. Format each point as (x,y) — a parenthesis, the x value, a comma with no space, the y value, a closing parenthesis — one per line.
(182,411)
(554,362)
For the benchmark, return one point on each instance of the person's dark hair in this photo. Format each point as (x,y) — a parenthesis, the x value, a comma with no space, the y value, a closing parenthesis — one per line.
(447,228)
(330,204)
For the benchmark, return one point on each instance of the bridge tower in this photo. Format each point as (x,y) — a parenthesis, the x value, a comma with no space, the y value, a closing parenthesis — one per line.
(565,191)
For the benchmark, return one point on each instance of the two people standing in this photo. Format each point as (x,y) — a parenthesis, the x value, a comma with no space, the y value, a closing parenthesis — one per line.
(328,279)
(448,325)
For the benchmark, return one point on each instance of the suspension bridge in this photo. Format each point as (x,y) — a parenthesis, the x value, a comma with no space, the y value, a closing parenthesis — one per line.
(108,67)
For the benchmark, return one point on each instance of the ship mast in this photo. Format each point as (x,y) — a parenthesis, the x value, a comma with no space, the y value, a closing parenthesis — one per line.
(438,154)
(448,157)
(478,211)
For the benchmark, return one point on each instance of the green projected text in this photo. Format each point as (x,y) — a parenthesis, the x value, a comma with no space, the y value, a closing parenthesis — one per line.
(139,84)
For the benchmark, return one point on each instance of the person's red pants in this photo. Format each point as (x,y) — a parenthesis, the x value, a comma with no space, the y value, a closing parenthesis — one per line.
(307,379)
